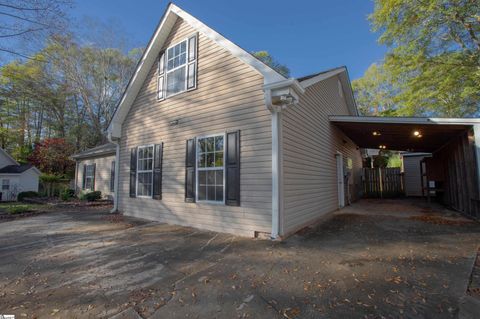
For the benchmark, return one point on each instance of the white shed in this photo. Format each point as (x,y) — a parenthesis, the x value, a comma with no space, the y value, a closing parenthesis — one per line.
(411,172)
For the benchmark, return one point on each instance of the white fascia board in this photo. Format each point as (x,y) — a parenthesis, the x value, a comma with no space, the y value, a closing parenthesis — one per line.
(150,55)
(345,81)
(143,68)
(404,120)
(293,83)
(305,84)
(268,73)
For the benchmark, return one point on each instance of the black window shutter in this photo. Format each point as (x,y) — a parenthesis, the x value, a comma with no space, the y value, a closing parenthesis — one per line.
(190,171)
(133,172)
(94,166)
(232,169)
(112,177)
(84,175)
(157,171)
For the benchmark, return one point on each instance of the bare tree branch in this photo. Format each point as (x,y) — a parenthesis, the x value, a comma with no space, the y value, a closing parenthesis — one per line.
(21,8)
(24,19)
(20,54)
(20,33)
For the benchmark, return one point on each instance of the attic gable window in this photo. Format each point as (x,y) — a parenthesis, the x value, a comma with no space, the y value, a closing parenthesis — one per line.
(177,68)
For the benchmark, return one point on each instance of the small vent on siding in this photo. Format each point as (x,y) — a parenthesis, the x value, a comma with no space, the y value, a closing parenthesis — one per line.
(340,89)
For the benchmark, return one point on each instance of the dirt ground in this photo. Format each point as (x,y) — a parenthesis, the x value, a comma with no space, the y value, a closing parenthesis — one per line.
(374,259)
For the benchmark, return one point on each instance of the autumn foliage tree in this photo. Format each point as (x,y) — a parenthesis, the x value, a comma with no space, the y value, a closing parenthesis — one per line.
(52,156)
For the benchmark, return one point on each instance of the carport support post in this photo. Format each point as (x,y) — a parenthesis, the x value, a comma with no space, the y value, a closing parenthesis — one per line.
(476,136)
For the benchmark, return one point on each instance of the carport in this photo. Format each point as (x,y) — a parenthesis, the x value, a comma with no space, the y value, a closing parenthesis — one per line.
(454,143)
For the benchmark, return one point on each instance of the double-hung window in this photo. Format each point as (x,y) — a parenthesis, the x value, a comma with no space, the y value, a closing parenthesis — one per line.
(177,68)
(211,169)
(89,176)
(5,184)
(145,171)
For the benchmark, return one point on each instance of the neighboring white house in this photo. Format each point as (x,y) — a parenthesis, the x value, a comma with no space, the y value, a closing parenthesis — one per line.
(16,178)
(95,170)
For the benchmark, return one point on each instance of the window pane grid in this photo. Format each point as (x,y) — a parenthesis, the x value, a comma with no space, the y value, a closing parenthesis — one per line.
(210,158)
(144,171)
(176,68)
(89,176)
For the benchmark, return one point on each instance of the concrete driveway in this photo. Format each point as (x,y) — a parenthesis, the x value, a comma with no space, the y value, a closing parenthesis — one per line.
(393,258)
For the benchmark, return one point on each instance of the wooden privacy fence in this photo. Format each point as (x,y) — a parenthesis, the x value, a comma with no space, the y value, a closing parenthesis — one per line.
(382,182)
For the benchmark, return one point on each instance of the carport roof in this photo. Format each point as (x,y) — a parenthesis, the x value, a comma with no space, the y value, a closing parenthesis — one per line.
(397,133)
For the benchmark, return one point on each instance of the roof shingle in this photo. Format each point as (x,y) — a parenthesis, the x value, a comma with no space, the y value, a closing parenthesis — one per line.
(15,169)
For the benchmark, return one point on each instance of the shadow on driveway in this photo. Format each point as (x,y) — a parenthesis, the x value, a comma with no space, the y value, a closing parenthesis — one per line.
(375,258)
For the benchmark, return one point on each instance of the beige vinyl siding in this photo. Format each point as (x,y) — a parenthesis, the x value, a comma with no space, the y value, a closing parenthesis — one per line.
(103,167)
(310,143)
(228,97)
(411,175)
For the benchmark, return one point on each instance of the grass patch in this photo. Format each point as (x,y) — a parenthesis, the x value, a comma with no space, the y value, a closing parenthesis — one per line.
(19,208)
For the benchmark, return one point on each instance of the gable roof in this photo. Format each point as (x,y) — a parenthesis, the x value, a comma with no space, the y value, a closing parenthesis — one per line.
(315,77)
(2,151)
(342,74)
(104,149)
(16,169)
(154,46)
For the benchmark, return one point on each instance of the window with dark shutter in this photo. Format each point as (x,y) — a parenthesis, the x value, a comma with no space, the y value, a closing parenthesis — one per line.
(133,172)
(177,68)
(84,176)
(190,171)
(112,177)
(232,169)
(157,172)
(94,166)
(89,177)
(161,76)
(192,62)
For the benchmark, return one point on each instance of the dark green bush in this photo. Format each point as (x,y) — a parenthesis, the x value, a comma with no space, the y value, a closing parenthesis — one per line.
(67,194)
(92,196)
(29,194)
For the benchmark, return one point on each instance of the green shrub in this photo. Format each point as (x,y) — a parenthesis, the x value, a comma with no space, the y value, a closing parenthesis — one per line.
(50,178)
(91,196)
(18,209)
(29,194)
(67,194)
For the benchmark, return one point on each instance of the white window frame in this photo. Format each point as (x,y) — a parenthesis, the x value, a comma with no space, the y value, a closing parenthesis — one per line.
(92,177)
(145,171)
(197,148)
(187,63)
(5,184)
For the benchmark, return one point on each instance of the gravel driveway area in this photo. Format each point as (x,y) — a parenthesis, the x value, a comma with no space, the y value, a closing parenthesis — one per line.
(374,259)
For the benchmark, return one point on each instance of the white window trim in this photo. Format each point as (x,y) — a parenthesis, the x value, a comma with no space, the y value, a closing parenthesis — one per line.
(210,169)
(8,184)
(92,177)
(144,171)
(187,63)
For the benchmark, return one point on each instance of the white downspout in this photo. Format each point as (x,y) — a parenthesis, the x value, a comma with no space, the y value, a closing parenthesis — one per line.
(476,136)
(117,173)
(287,92)
(276,174)
(275,165)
